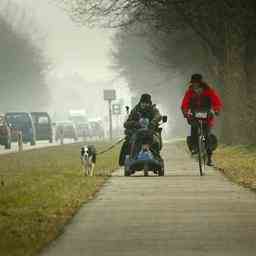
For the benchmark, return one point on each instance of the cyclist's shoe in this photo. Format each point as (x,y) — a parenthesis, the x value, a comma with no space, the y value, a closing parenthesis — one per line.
(209,162)
(209,159)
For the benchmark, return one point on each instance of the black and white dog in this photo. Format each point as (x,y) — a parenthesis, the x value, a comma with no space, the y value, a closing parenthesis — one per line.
(88,159)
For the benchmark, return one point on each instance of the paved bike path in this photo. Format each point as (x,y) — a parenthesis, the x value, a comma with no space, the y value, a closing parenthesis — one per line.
(181,214)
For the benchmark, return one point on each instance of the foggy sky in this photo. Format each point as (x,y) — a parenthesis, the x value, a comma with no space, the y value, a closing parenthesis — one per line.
(73,52)
(71,48)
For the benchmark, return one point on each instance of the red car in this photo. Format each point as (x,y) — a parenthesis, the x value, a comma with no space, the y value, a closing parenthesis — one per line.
(5,132)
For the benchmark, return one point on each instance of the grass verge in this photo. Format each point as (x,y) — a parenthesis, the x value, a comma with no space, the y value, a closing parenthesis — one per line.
(238,163)
(41,190)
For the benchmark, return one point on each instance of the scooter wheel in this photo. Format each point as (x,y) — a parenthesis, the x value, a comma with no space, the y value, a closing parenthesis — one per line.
(126,171)
(146,170)
(161,171)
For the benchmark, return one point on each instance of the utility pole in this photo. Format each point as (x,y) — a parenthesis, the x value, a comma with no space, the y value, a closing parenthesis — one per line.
(116,110)
(110,120)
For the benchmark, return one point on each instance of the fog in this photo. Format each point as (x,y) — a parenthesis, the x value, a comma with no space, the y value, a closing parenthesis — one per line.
(78,66)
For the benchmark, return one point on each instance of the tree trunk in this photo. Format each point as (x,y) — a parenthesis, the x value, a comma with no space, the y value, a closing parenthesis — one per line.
(251,88)
(235,96)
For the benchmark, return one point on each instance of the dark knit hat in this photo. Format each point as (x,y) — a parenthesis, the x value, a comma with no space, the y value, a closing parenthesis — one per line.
(196,78)
(145,98)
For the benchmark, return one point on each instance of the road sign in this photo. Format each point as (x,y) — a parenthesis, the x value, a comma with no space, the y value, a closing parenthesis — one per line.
(109,94)
(116,109)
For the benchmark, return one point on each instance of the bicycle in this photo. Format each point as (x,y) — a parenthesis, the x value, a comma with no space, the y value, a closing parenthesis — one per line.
(201,118)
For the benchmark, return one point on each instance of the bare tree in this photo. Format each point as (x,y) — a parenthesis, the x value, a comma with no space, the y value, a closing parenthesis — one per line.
(224,27)
(23,62)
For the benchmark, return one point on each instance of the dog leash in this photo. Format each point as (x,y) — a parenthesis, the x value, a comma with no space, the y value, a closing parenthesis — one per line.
(111,147)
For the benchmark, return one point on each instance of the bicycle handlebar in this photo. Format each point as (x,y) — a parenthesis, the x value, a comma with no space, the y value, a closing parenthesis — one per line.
(202,114)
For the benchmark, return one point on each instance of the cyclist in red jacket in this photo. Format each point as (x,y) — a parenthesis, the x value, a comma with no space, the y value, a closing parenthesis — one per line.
(200,97)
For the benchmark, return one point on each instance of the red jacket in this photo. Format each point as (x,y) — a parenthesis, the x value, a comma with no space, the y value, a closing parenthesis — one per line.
(208,96)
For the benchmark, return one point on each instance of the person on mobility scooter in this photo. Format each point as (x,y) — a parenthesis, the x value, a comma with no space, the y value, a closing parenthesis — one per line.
(143,143)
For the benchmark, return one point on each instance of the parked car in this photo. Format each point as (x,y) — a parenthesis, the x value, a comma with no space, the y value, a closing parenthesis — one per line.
(83,130)
(5,132)
(96,129)
(43,126)
(66,129)
(22,122)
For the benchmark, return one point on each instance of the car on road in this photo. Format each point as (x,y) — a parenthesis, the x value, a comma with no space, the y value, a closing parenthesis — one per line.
(65,130)
(96,129)
(83,130)
(21,122)
(5,132)
(43,126)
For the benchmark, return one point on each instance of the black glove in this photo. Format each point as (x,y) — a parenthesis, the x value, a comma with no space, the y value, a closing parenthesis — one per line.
(192,121)
(213,113)
(185,114)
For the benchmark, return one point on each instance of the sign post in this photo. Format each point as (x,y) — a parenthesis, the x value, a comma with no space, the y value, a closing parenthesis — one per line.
(110,95)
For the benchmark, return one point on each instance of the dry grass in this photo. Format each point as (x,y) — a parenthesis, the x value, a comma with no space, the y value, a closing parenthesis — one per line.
(40,191)
(238,163)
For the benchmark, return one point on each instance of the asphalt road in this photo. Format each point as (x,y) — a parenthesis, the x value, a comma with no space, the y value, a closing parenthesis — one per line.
(181,214)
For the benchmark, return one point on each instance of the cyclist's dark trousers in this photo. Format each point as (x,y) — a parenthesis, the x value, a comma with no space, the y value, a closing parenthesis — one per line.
(194,136)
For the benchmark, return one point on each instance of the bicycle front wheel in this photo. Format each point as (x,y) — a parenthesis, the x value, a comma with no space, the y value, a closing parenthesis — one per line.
(201,154)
